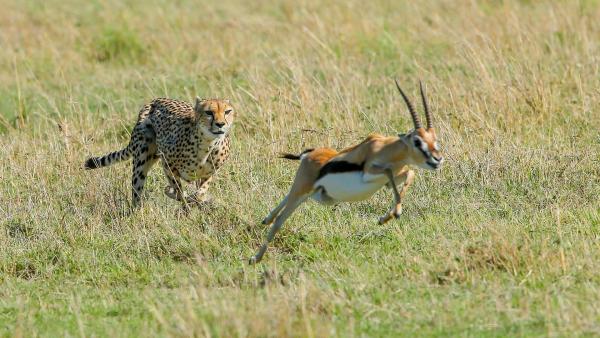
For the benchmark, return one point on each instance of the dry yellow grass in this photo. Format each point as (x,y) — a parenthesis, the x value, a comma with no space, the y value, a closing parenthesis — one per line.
(503,241)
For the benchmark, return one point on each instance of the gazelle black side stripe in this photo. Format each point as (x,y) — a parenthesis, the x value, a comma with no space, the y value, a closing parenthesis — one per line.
(333,167)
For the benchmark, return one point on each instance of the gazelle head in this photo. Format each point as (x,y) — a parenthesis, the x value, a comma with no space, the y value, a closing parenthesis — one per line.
(422,143)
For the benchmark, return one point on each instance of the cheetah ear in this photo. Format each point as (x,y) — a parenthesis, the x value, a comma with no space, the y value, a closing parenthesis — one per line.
(227,101)
(198,103)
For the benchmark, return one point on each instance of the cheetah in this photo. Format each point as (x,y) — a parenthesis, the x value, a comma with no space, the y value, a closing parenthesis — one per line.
(192,142)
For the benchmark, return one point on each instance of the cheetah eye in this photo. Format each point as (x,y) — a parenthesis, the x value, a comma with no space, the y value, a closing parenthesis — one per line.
(228,111)
(208,112)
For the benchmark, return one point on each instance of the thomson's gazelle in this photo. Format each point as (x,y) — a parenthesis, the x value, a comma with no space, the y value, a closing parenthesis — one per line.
(356,173)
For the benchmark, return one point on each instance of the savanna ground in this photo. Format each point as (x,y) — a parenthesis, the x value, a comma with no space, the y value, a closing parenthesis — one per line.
(504,240)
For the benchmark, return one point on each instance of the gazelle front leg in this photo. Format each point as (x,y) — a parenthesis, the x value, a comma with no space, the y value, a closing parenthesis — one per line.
(407,177)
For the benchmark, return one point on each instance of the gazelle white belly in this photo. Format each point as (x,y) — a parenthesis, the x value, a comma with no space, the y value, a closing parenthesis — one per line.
(349,186)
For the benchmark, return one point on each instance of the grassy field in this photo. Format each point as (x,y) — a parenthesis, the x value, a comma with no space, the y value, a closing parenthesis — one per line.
(504,240)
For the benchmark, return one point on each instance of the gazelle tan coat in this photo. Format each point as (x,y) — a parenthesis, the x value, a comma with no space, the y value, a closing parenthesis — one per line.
(357,172)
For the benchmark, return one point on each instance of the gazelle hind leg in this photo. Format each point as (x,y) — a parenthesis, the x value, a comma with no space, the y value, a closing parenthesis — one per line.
(407,178)
(269,219)
(292,202)
(301,189)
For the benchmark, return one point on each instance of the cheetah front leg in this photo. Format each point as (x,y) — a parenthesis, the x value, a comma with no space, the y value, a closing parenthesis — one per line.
(174,189)
(201,195)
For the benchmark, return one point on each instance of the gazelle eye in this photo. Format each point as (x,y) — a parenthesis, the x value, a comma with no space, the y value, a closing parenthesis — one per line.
(418,143)
(228,111)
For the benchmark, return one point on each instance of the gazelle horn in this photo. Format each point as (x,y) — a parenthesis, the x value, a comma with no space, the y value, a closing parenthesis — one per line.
(426,107)
(411,109)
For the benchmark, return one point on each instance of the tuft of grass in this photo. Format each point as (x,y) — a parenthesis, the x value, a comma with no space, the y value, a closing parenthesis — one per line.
(118,44)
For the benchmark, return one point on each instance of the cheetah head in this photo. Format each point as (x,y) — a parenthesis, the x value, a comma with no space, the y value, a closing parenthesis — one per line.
(215,116)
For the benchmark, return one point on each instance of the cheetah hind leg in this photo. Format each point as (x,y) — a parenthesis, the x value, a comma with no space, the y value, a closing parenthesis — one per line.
(143,144)
(142,163)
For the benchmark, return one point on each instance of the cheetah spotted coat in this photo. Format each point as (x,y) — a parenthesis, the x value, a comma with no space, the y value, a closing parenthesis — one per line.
(192,143)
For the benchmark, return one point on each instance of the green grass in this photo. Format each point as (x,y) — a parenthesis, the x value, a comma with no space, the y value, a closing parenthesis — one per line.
(504,240)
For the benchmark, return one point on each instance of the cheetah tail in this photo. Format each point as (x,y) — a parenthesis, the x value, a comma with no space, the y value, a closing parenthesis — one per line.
(289,156)
(106,160)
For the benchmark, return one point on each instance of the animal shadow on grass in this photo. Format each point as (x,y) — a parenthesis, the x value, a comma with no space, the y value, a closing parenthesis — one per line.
(116,204)
(18,229)
(261,277)
(119,206)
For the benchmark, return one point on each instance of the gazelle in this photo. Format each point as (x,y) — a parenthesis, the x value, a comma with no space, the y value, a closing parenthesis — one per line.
(357,172)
